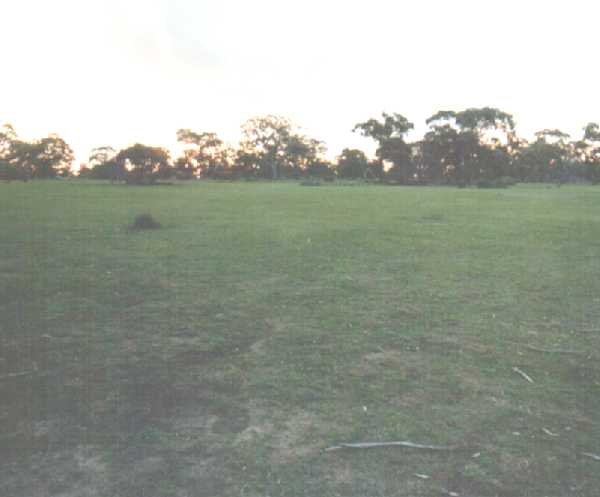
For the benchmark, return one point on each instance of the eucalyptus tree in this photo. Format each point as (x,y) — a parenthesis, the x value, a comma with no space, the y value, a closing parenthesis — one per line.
(265,139)
(8,136)
(273,148)
(392,148)
(464,147)
(205,154)
(352,164)
(144,165)
(591,152)
(546,158)
(9,170)
(103,164)
(46,158)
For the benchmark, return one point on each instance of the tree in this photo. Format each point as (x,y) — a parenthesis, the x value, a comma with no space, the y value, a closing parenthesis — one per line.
(273,148)
(545,159)
(439,153)
(392,148)
(320,168)
(144,165)
(486,119)
(265,139)
(589,149)
(205,154)
(352,163)
(399,153)
(103,164)
(592,132)
(464,147)
(301,155)
(392,126)
(7,137)
(9,170)
(84,171)
(185,168)
(245,165)
(46,158)
(54,158)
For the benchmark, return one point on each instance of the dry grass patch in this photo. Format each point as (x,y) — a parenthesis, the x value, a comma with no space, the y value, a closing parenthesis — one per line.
(403,363)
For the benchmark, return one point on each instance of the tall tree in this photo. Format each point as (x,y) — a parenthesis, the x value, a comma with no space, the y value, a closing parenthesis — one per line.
(46,158)
(320,168)
(552,136)
(461,146)
(485,120)
(392,126)
(103,164)
(302,154)
(590,151)
(9,170)
(544,159)
(144,165)
(439,150)
(8,136)
(389,133)
(275,148)
(205,153)
(352,164)
(265,138)
(592,132)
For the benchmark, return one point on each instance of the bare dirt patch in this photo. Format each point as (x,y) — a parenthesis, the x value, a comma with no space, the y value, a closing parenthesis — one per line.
(260,425)
(272,326)
(78,472)
(289,437)
(294,441)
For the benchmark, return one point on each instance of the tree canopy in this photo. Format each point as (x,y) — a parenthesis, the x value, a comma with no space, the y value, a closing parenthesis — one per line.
(144,165)
(45,158)
(466,147)
(275,148)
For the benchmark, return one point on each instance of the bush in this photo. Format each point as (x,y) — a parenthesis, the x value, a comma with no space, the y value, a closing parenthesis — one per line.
(310,182)
(508,181)
(486,183)
(145,222)
(503,182)
(8,172)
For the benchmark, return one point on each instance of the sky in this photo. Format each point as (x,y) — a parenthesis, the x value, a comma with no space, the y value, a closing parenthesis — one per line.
(116,72)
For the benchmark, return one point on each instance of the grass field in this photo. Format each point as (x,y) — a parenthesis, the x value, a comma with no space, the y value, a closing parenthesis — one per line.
(221,354)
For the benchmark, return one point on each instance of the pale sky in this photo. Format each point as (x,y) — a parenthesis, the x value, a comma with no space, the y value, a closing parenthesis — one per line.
(113,72)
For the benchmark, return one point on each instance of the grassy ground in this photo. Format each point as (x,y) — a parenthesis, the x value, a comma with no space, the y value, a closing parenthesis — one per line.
(219,355)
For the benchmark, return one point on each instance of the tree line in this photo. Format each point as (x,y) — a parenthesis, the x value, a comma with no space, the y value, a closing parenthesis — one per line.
(477,146)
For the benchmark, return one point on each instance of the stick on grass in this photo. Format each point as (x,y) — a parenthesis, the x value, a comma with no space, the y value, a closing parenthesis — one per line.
(595,457)
(17,375)
(553,351)
(372,445)
(523,374)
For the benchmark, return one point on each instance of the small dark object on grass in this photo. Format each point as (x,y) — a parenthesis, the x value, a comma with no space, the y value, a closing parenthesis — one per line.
(145,222)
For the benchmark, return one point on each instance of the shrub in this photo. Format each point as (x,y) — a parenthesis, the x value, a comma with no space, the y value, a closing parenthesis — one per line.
(508,180)
(9,172)
(503,182)
(310,182)
(486,183)
(145,222)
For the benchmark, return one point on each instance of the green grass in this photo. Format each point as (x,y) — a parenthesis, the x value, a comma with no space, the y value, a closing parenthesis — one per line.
(219,355)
